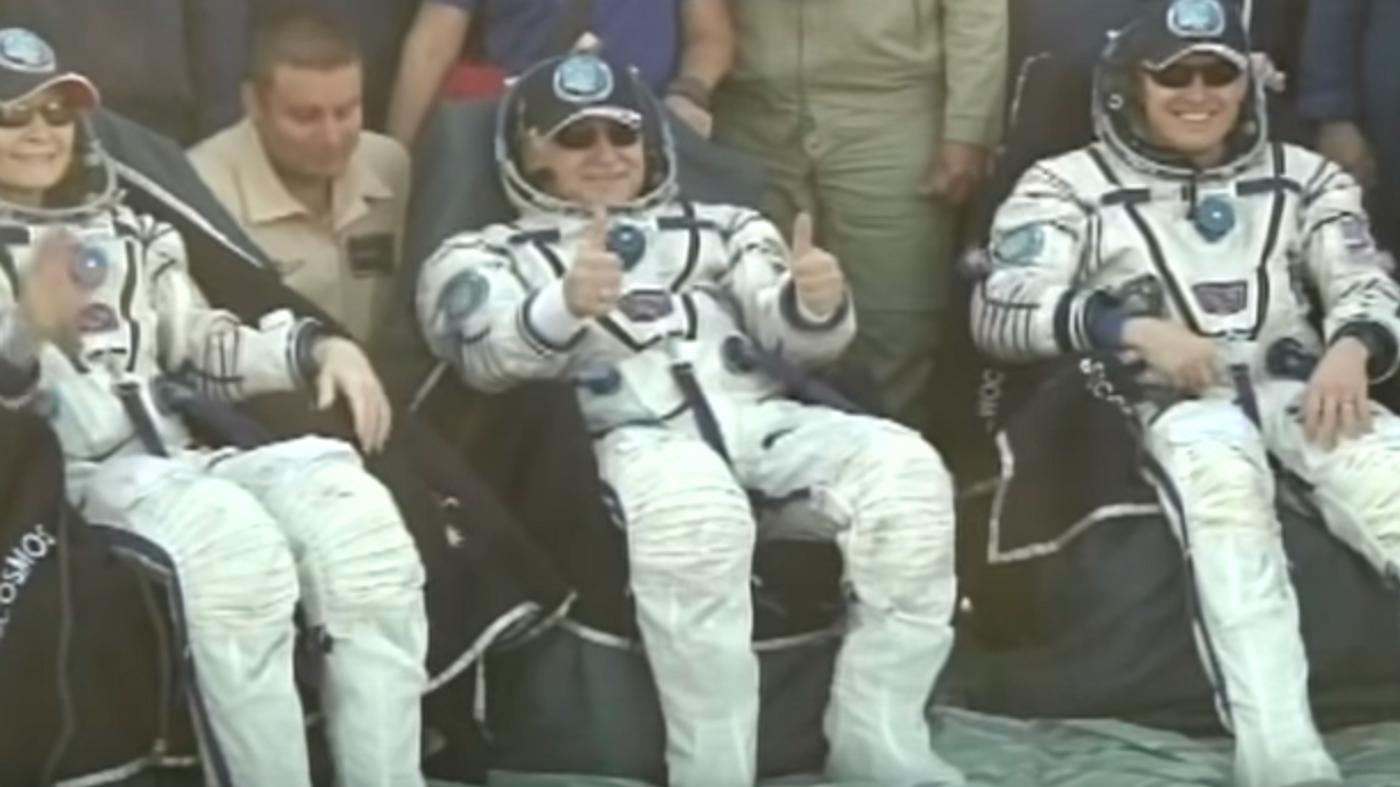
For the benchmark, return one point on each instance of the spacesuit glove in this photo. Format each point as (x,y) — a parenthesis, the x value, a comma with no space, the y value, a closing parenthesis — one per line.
(342,370)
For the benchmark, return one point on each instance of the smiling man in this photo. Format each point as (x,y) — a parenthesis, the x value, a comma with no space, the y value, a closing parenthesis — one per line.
(324,198)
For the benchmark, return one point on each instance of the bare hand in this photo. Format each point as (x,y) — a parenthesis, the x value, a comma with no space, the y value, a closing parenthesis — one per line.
(1190,362)
(692,114)
(593,283)
(1338,402)
(958,171)
(345,372)
(1345,144)
(51,298)
(815,273)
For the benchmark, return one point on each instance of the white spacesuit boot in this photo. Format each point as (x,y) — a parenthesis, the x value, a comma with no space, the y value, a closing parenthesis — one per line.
(1251,643)
(1252,629)
(690,541)
(374,682)
(899,553)
(362,591)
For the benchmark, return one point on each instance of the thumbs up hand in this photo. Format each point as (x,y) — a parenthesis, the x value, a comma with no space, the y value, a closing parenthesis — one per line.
(815,273)
(593,283)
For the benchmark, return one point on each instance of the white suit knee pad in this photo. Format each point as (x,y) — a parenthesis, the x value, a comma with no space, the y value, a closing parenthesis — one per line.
(897,496)
(1220,470)
(1357,482)
(688,523)
(355,552)
(235,567)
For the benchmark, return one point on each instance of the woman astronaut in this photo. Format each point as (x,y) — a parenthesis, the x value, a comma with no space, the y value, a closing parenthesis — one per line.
(1242,272)
(96,307)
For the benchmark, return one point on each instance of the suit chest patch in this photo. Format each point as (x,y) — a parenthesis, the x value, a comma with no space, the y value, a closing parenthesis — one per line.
(1222,298)
(646,305)
(98,318)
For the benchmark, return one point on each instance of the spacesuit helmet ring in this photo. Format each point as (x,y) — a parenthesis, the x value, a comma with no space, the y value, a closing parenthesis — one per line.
(576,100)
(34,87)
(1177,44)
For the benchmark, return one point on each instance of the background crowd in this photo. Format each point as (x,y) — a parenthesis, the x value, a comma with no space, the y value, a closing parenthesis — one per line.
(882,118)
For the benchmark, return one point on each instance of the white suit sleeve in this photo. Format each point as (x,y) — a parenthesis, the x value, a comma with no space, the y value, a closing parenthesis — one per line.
(1352,275)
(1028,304)
(757,279)
(19,354)
(222,356)
(479,313)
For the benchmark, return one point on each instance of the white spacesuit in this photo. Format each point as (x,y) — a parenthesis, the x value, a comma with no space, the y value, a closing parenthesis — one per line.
(248,534)
(688,433)
(1241,253)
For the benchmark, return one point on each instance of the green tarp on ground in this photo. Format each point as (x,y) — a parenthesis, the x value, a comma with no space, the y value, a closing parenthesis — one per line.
(997,752)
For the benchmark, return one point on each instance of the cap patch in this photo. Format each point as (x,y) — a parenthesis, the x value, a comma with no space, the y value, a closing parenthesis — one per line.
(583,79)
(1196,19)
(21,50)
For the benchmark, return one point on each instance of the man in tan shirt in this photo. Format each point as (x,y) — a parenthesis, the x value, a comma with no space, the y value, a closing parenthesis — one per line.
(877,118)
(322,197)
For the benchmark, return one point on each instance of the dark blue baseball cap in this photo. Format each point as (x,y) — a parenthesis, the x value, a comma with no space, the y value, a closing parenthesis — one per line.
(1169,30)
(28,65)
(580,85)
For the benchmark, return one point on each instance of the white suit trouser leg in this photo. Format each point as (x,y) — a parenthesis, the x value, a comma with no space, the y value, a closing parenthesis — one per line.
(883,495)
(362,590)
(1356,485)
(690,540)
(239,591)
(1215,461)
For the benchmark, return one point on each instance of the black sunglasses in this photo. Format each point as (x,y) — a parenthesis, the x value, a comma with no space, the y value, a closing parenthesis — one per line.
(1217,73)
(582,136)
(56,113)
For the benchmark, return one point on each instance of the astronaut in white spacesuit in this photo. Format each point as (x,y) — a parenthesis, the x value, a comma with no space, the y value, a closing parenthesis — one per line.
(1188,239)
(96,308)
(656,308)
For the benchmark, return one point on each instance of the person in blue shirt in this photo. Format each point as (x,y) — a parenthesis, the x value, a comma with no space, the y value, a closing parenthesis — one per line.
(680,48)
(1351,87)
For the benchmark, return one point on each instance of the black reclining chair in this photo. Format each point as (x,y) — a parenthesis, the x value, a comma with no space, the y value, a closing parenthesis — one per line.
(1081,605)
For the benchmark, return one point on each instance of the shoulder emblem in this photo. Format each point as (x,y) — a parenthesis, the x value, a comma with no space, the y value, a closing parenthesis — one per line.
(1019,245)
